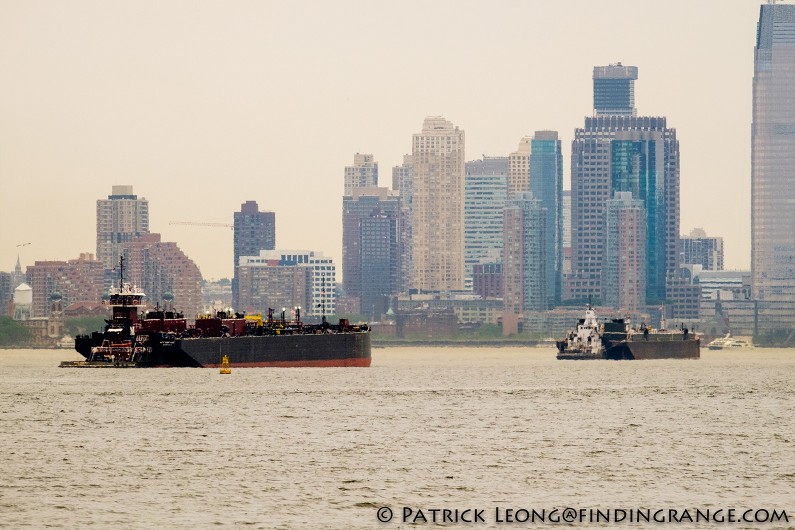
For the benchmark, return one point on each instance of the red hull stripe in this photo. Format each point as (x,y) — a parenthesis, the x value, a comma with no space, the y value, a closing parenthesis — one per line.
(327,363)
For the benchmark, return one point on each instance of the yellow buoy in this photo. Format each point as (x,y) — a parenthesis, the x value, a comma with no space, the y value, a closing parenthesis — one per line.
(225,366)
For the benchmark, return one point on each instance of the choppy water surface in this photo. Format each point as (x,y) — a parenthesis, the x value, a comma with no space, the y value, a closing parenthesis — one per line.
(423,428)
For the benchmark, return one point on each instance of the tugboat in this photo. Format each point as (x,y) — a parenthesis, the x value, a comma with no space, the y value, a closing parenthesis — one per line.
(618,340)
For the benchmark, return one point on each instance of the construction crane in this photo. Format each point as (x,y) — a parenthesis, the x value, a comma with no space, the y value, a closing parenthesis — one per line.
(197,223)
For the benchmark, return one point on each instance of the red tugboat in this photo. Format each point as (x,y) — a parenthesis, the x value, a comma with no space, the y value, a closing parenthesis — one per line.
(164,339)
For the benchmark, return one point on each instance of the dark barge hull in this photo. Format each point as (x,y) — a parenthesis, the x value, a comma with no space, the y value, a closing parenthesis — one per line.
(653,349)
(299,350)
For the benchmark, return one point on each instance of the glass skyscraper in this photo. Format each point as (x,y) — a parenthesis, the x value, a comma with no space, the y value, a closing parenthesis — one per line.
(622,152)
(546,184)
(773,156)
(485,192)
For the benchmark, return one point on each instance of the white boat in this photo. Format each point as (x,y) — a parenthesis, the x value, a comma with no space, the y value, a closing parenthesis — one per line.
(728,343)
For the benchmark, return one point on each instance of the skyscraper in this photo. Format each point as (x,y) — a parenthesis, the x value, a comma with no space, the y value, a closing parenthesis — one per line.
(623,152)
(370,246)
(363,173)
(485,191)
(438,206)
(624,272)
(524,267)
(120,218)
(773,156)
(402,178)
(546,183)
(253,231)
(614,90)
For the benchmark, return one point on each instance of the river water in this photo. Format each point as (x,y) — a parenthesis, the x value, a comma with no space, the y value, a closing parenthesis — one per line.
(422,429)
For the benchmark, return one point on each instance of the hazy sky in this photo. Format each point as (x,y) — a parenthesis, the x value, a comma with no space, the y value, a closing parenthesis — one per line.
(204,105)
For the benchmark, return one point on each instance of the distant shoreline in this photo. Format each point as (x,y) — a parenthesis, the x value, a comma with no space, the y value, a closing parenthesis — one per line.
(461,343)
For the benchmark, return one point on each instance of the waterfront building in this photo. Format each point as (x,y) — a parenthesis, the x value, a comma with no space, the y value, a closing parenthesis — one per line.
(271,286)
(698,249)
(363,173)
(487,280)
(322,277)
(120,218)
(437,219)
(253,231)
(485,192)
(524,267)
(624,270)
(773,158)
(519,167)
(546,184)
(623,152)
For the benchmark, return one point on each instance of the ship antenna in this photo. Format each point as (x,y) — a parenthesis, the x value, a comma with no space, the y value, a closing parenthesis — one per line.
(121,272)
(323,295)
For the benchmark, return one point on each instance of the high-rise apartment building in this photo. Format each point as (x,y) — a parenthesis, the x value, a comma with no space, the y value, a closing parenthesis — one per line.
(546,184)
(698,249)
(624,271)
(164,273)
(120,218)
(363,173)
(402,178)
(623,152)
(524,267)
(773,156)
(485,192)
(437,220)
(253,231)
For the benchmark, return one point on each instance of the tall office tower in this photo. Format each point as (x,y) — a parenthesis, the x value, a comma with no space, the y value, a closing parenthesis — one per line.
(437,219)
(120,218)
(380,262)
(253,231)
(519,167)
(363,173)
(623,153)
(546,183)
(614,90)
(773,156)
(402,177)
(524,268)
(370,246)
(624,272)
(698,249)
(485,192)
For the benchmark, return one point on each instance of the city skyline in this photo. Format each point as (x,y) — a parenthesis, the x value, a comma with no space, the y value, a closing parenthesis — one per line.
(203,107)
